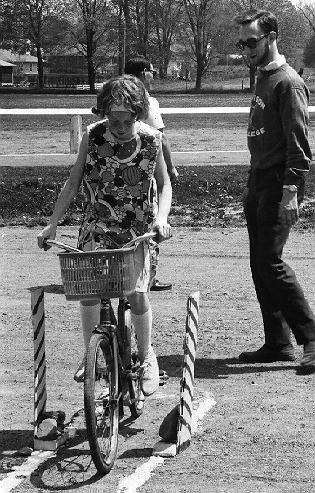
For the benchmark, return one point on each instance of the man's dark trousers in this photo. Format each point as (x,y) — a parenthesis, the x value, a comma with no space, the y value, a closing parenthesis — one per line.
(281,298)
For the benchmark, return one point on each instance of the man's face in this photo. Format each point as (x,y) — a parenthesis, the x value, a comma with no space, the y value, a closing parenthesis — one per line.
(259,55)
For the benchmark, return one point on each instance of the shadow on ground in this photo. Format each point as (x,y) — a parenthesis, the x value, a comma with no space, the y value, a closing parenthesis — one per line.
(217,368)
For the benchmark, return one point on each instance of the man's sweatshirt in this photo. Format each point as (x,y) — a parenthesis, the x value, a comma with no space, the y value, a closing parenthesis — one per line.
(278,123)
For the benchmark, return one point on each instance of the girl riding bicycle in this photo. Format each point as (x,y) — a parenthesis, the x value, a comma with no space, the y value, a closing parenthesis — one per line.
(128,192)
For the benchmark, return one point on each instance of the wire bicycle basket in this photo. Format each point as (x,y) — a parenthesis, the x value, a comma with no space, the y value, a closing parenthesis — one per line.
(98,274)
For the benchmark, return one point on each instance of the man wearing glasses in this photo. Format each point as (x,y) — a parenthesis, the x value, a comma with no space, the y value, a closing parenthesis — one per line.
(280,158)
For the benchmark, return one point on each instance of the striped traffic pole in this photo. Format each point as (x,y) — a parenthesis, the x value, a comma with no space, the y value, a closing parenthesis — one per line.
(38,322)
(187,381)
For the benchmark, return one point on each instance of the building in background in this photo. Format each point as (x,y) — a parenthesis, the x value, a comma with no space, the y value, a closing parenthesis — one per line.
(24,68)
(65,70)
(6,73)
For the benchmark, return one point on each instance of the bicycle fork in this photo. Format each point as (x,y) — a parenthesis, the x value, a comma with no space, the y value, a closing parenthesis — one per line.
(107,327)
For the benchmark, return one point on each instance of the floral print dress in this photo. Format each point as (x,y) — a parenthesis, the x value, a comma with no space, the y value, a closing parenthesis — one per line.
(119,187)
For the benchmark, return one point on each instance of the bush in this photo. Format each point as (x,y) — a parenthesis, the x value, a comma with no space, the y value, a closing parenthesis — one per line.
(203,196)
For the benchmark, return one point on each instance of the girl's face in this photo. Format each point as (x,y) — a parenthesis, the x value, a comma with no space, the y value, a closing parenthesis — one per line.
(122,124)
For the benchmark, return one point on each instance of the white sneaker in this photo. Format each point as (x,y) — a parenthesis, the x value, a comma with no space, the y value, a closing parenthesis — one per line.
(79,374)
(150,378)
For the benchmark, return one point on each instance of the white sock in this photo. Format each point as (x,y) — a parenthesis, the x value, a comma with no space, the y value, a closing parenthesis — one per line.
(90,316)
(143,329)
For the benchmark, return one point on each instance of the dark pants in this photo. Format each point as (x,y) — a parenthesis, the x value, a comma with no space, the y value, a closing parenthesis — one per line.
(282,301)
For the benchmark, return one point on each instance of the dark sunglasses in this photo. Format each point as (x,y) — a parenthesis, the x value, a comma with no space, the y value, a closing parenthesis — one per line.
(153,72)
(251,43)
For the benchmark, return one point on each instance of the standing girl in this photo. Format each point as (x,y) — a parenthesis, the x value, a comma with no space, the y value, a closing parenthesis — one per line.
(128,192)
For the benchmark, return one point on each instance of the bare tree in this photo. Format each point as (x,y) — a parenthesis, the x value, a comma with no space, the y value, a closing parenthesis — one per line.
(166,15)
(129,27)
(93,16)
(201,16)
(308,12)
(142,25)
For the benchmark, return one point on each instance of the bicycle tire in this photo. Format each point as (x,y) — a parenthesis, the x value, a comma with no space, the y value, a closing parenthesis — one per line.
(130,364)
(135,392)
(101,401)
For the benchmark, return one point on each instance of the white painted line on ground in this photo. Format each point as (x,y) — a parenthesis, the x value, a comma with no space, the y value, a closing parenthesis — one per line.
(142,474)
(165,396)
(198,415)
(129,484)
(20,473)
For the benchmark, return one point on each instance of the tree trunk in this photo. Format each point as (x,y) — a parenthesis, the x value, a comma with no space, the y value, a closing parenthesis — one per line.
(40,67)
(91,74)
(129,27)
(90,61)
(121,43)
(146,28)
(198,78)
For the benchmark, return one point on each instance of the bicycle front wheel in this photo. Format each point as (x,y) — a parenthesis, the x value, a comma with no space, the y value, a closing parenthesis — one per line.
(101,401)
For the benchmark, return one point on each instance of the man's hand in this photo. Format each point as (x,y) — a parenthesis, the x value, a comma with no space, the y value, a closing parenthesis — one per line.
(289,209)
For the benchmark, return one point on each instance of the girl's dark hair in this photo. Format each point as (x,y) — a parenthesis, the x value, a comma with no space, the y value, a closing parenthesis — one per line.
(124,89)
(266,20)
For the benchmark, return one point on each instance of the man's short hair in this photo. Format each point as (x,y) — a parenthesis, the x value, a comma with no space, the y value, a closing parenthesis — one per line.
(266,20)
(136,65)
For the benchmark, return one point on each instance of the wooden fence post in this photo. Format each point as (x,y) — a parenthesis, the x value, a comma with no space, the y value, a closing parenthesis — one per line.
(75,133)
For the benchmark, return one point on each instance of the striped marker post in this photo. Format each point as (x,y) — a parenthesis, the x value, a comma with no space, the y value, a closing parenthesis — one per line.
(38,322)
(187,382)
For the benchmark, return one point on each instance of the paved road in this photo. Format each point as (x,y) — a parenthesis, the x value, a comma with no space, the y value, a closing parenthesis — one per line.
(217,158)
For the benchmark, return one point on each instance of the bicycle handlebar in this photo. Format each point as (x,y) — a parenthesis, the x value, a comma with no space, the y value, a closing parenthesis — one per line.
(58,244)
(68,248)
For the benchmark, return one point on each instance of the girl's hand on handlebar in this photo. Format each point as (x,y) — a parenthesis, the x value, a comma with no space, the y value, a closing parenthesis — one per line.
(164,231)
(48,233)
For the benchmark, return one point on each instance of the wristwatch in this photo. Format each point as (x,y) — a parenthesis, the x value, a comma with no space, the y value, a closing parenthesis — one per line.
(291,188)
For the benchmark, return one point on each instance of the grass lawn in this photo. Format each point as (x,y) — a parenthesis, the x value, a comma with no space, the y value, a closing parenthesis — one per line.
(204,196)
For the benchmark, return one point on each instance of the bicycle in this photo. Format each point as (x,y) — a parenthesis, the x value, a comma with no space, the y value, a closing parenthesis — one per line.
(112,369)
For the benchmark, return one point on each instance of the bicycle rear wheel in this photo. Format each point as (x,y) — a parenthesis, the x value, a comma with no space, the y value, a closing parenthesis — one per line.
(101,401)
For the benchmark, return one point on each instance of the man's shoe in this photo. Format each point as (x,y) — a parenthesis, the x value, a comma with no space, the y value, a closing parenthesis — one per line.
(150,378)
(268,355)
(308,359)
(160,286)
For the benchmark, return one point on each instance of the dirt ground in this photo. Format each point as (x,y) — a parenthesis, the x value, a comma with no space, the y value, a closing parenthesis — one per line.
(259,437)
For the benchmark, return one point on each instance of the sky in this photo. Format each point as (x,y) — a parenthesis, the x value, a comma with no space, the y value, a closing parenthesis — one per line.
(297,2)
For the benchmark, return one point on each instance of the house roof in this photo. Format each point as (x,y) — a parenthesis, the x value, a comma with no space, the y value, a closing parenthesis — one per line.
(8,55)
(6,64)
